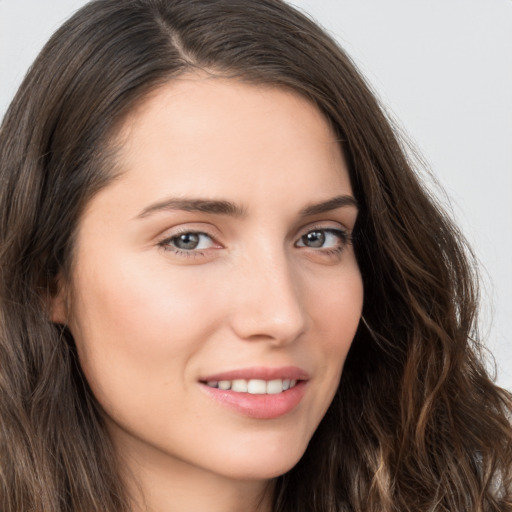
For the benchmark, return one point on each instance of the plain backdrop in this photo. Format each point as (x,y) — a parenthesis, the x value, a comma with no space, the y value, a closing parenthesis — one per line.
(442,68)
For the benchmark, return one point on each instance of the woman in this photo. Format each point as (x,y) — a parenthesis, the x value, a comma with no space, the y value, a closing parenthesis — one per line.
(222,285)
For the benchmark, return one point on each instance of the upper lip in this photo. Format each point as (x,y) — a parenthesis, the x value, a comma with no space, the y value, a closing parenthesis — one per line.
(260,372)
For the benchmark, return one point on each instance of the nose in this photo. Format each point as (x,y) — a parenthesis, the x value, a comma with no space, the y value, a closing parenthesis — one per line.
(268,301)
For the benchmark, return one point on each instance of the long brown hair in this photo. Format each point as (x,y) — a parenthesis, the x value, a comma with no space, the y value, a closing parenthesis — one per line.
(416,424)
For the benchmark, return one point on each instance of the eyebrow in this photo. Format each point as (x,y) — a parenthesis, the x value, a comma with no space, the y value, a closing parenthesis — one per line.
(222,207)
(330,204)
(218,207)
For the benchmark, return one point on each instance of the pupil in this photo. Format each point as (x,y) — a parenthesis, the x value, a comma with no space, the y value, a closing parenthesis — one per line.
(315,239)
(187,241)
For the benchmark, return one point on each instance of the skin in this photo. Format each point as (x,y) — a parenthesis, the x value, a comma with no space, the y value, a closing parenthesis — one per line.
(150,320)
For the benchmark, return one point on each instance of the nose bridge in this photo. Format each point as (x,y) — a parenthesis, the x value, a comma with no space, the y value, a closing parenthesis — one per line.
(269,300)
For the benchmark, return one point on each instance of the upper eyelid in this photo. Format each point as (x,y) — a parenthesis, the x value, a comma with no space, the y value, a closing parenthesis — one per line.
(324,226)
(175,231)
(169,238)
(344,233)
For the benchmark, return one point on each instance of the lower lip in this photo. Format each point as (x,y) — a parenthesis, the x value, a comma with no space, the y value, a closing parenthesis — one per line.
(262,407)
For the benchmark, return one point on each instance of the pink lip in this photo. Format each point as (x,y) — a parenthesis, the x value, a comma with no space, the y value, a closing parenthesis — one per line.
(260,372)
(263,407)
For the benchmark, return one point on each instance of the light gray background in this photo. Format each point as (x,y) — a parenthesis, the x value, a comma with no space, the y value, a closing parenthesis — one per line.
(442,67)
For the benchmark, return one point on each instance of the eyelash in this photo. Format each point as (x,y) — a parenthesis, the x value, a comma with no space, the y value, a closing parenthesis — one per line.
(343,235)
(192,253)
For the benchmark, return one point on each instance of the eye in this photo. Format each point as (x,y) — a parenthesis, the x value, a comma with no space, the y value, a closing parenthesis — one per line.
(323,239)
(189,241)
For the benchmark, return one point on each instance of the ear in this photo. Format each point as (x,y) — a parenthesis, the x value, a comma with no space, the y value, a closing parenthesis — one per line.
(59,301)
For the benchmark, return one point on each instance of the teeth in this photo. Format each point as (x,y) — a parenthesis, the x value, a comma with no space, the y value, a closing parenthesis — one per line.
(239,385)
(254,386)
(257,387)
(274,387)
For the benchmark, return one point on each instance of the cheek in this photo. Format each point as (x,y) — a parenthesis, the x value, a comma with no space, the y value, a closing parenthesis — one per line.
(336,309)
(136,324)
(337,305)
(133,300)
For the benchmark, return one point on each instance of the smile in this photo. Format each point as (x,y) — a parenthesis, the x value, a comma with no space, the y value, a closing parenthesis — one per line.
(254,386)
(258,392)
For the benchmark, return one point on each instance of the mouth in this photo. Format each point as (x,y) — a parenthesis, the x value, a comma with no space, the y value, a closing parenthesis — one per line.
(260,393)
(254,386)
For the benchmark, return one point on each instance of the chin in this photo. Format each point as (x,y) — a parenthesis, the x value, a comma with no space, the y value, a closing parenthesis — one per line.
(264,463)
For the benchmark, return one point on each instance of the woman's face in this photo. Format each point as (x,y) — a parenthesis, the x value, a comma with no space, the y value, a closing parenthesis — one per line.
(215,273)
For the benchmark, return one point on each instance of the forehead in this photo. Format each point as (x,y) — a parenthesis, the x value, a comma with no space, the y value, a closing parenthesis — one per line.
(185,103)
(212,137)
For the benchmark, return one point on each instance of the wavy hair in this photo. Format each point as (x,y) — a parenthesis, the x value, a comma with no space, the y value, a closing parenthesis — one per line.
(416,424)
